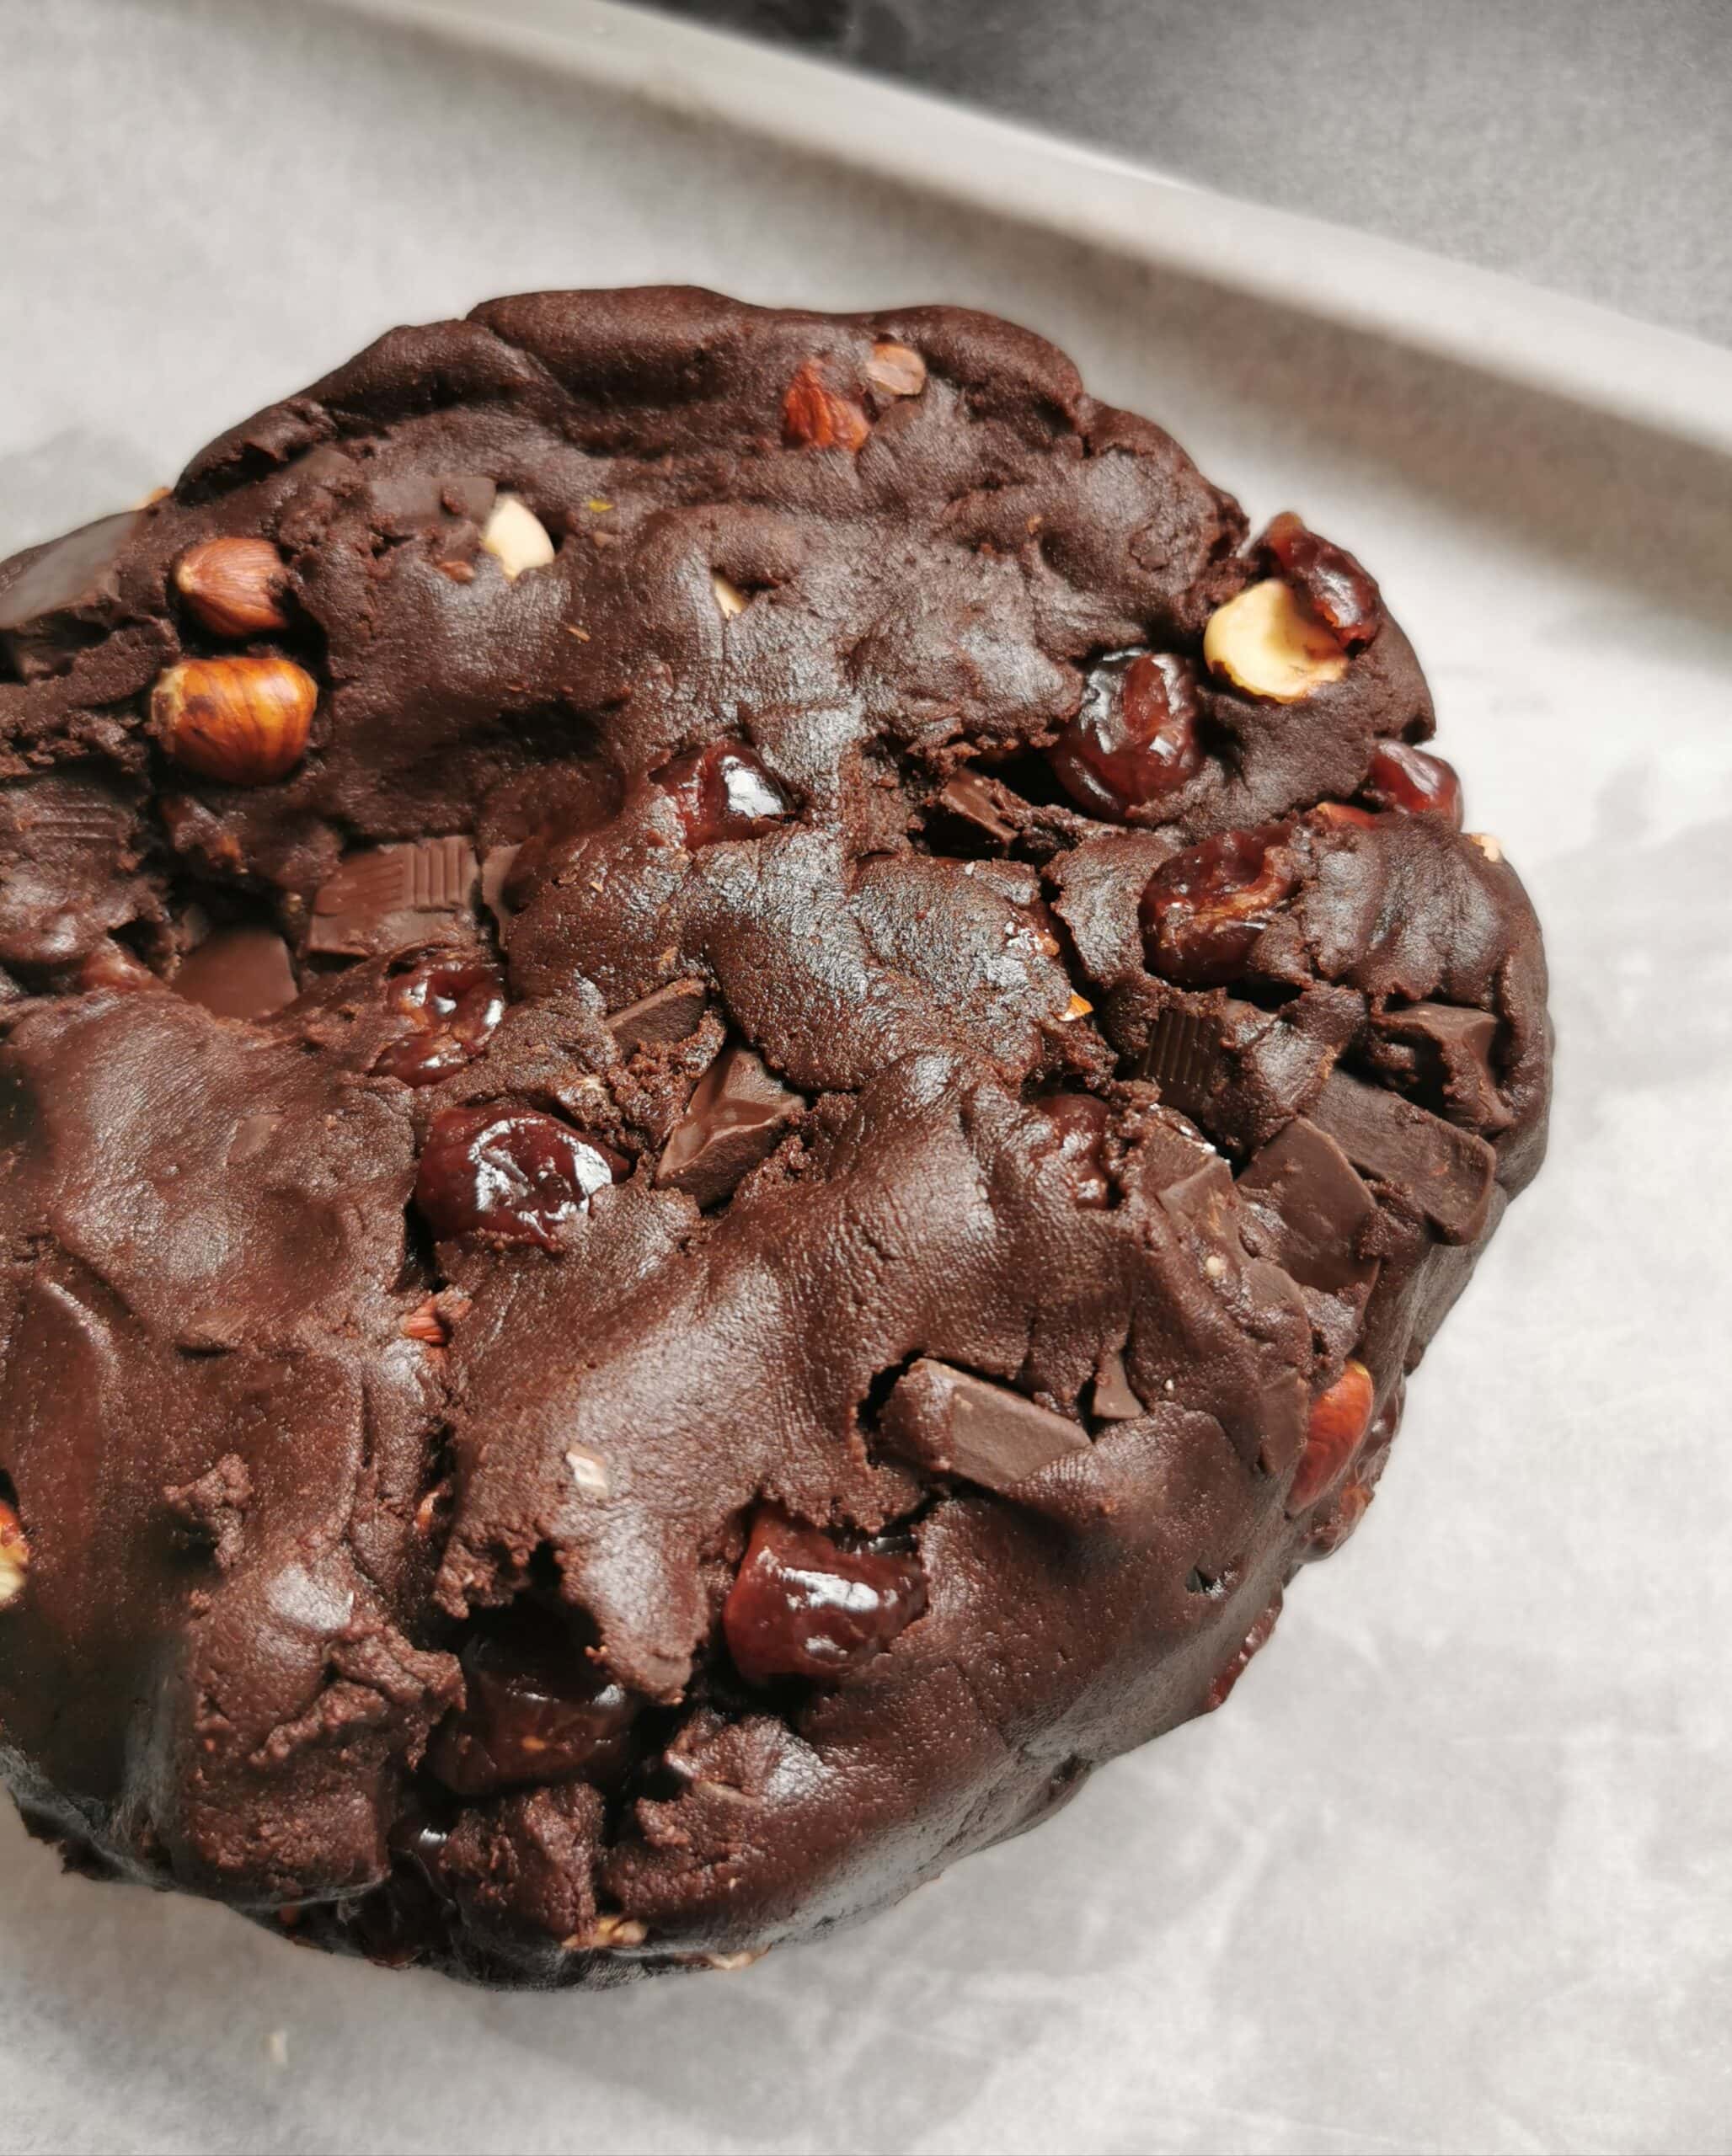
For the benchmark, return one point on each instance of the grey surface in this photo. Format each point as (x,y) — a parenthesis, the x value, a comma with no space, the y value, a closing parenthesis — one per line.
(1584,144)
(1453,1870)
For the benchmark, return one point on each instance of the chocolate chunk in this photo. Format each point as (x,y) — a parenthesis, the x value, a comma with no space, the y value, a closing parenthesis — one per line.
(1442,1054)
(392,896)
(668,1014)
(404,503)
(733,1120)
(73,579)
(1317,1208)
(238,973)
(1187,1059)
(951,1422)
(1447,1174)
(978,801)
(1112,1400)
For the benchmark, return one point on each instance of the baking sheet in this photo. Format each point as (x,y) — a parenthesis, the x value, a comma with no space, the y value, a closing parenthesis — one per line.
(1454,1869)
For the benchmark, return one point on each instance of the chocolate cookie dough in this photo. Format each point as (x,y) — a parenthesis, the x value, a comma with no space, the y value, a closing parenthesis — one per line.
(738,1065)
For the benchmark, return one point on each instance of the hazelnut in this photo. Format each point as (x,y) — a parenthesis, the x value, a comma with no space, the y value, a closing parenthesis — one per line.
(607,1932)
(813,417)
(515,537)
(14,1556)
(1079,1006)
(897,370)
(1339,1419)
(1265,643)
(730,600)
(1487,844)
(232,586)
(242,721)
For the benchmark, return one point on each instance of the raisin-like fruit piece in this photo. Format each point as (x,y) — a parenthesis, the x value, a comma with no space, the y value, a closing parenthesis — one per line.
(1413,782)
(509,1172)
(1134,741)
(1339,590)
(536,1709)
(801,1606)
(723,791)
(1204,910)
(450,1006)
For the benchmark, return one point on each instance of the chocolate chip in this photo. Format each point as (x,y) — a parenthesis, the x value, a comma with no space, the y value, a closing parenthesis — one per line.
(1443,1054)
(668,1014)
(1112,1400)
(978,803)
(1447,1174)
(239,972)
(1314,1206)
(393,895)
(733,1120)
(950,1422)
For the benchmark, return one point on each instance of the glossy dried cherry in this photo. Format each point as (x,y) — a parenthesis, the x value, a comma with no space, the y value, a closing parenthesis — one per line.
(509,1172)
(450,1006)
(1413,782)
(801,1606)
(1339,590)
(1203,911)
(1134,741)
(723,791)
(536,1709)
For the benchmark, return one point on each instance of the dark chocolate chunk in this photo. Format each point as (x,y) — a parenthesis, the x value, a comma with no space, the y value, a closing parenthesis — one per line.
(1446,1174)
(666,1014)
(1318,1208)
(1187,1059)
(1442,1054)
(734,1119)
(72,580)
(1112,1400)
(239,972)
(977,801)
(392,896)
(949,1421)
(406,502)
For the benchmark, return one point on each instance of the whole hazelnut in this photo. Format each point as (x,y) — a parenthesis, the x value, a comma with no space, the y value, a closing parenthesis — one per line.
(1267,643)
(897,370)
(233,586)
(242,721)
(14,1556)
(1341,1417)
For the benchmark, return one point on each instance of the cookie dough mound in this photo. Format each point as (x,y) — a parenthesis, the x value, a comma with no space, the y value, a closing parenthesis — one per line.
(739,1064)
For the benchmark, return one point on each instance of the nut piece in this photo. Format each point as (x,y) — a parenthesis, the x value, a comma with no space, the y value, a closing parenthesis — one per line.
(515,537)
(242,721)
(14,1556)
(1339,1420)
(897,370)
(1487,844)
(1265,643)
(232,586)
(730,600)
(813,417)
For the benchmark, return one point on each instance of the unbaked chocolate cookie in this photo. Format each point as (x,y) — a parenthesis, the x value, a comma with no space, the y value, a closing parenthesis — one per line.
(738,1065)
